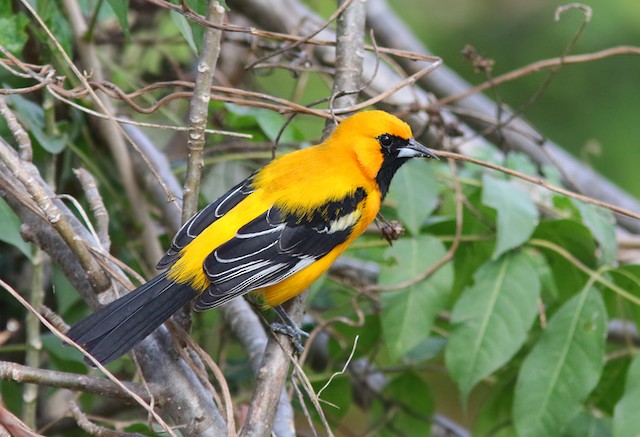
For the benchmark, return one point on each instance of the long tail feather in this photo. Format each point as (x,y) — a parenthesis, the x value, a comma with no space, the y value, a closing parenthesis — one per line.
(117,327)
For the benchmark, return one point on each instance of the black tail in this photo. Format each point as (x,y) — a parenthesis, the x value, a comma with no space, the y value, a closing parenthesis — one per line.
(117,327)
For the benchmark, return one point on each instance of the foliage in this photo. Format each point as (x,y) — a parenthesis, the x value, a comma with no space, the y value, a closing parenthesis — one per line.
(514,320)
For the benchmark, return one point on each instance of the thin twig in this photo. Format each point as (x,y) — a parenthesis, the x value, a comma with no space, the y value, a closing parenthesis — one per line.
(299,42)
(535,67)
(344,368)
(21,136)
(98,209)
(542,183)
(593,275)
(10,371)
(95,430)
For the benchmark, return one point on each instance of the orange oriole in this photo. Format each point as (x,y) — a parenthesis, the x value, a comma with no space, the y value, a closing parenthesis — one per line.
(274,233)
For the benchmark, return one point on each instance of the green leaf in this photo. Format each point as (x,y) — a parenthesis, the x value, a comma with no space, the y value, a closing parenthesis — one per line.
(185,29)
(337,393)
(10,230)
(62,356)
(588,425)
(517,214)
(563,367)
(269,122)
(601,223)
(491,319)
(407,314)
(414,189)
(13,29)
(522,163)
(32,118)
(412,394)
(494,417)
(66,294)
(578,241)
(628,278)
(121,9)
(626,420)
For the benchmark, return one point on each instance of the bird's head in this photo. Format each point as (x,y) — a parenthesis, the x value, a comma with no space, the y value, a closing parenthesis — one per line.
(381,143)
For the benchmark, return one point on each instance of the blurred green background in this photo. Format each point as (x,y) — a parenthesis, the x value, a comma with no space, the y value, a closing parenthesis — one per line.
(590,109)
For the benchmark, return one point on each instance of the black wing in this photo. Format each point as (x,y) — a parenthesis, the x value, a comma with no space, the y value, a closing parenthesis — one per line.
(274,246)
(204,218)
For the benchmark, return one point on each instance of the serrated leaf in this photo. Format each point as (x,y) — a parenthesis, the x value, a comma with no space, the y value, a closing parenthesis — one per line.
(121,9)
(563,367)
(31,117)
(626,420)
(517,214)
(491,319)
(414,189)
(601,223)
(407,314)
(10,230)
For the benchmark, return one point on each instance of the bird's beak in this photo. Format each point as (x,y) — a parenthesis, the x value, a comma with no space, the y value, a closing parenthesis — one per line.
(414,149)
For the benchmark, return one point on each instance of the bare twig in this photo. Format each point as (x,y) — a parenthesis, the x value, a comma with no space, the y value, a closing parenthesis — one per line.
(95,430)
(98,209)
(10,425)
(22,138)
(237,314)
(337,13)
(535,67)
(72,381)
(541,182)
(594,275)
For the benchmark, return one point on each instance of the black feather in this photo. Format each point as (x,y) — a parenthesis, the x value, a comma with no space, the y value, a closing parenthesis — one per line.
(203,219)
(117,327)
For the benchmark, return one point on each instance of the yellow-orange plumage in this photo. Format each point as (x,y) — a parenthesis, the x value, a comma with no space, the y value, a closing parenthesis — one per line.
(279,230)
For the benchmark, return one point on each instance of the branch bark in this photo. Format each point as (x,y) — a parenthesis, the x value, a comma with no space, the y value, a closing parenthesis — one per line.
(199,110)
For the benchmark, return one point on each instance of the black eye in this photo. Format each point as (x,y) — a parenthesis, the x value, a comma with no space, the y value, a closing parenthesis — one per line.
(385,140)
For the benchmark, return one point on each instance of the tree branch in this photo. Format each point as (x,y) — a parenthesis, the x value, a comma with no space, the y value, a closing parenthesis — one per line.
(199,110)
(72,381)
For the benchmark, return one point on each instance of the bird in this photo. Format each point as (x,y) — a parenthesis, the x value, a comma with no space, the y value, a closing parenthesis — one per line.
(272,234)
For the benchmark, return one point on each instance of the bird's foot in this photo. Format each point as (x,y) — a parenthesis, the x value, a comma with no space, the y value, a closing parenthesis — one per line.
(289,328)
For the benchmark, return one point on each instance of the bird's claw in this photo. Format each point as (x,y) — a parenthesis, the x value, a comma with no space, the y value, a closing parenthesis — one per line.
(294,334)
